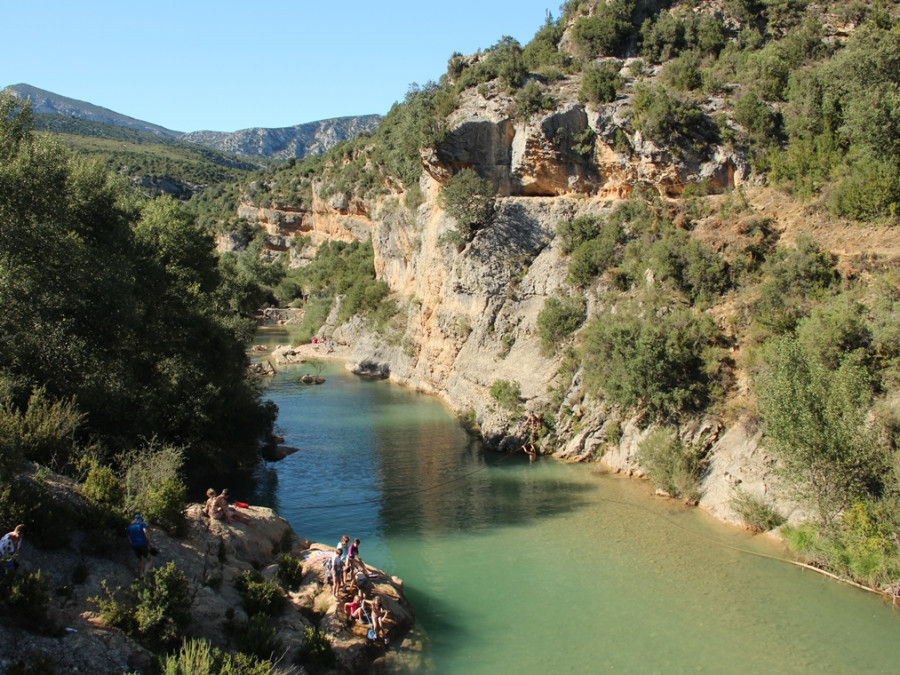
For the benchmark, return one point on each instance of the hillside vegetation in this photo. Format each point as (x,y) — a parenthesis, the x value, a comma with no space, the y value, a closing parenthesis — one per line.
(685,300)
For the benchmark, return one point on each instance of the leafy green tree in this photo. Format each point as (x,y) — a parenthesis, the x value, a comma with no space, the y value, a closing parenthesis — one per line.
(559,319)
(605,31)
(470,200)
(600,84)
(814,420)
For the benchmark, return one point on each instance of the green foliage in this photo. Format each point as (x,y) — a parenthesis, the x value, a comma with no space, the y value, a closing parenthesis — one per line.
(111,300)
(470,200)
(559,319)
(684,72)
(753,114)
(696,270)
(756,513)
(572,233)
(664,362)
(600,84)
(507,394)
(605,31)
(199,657)
(316,651)
(290,571)
(25,598)
(530,99)
(543,50)
(258,637)
(664,118)
(155,610)
(154,487)
(260,596)
(670,465)
(815,423)
(834,331)
(791,278)
(162,606)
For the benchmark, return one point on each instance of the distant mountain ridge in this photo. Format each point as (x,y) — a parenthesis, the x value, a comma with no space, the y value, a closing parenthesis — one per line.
(284,143)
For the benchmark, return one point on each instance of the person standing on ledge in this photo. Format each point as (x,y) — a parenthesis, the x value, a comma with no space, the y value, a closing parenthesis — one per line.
(140,542)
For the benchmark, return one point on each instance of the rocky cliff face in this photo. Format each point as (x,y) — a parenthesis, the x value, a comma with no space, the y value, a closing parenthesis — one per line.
(471,314)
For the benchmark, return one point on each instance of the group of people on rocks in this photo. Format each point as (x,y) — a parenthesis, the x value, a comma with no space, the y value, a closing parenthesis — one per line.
(349,576)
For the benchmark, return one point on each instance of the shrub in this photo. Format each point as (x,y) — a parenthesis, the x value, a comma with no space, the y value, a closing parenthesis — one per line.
(153,485)
(814,421)
(530,99)
(664,363)
(600,84)
(507,394)
(559,319)
(290,571)
(258,637)
(604,32)
(163,605)
(664,118)
(198,656)
(671,466)
(683,73)
(571,233)
(469,199)
(260,596)
(792,278)
(102,487)
(756,513)
(752,113)
(316,650)
(26,598)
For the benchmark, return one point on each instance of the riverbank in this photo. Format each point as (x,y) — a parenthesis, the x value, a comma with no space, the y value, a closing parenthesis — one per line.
(212,555)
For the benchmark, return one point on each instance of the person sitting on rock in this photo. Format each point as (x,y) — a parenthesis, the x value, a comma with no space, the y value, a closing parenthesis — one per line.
(377,615)
(212,508)
(222,502)
(353,609)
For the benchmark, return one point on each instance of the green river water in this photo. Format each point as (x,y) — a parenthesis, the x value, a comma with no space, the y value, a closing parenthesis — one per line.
(546,567)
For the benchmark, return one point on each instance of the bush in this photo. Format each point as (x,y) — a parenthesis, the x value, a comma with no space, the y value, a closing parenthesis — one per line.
(600,84)
(683,73)
(559,319)
(814,421)
(757,515)
(470,200)
(664,118)
(155,610)
(530,99)
(163,606)
(290,571)
(260,596)
(316,651)
(102,487)
(605,31)
(199,657)
(153,485)
(671,466)
(571,233)
(507,394)
(258,637)
(26,598)
(662,362)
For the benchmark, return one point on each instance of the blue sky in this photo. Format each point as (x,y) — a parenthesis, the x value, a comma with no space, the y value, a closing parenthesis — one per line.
(231,65)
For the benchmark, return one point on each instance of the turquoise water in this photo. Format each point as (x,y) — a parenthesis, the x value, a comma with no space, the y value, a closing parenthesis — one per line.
(546,567)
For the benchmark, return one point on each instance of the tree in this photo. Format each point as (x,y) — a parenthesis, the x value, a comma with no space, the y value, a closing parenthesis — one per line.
(815,423)
(470,200)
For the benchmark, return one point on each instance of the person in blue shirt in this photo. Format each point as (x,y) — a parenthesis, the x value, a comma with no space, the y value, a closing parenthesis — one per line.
(140,542)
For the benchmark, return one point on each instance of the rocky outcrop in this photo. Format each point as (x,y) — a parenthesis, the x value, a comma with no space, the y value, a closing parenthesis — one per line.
(297,141)
(212,555)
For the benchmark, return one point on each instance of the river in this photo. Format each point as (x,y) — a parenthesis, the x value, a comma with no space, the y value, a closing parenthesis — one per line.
(546,567)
